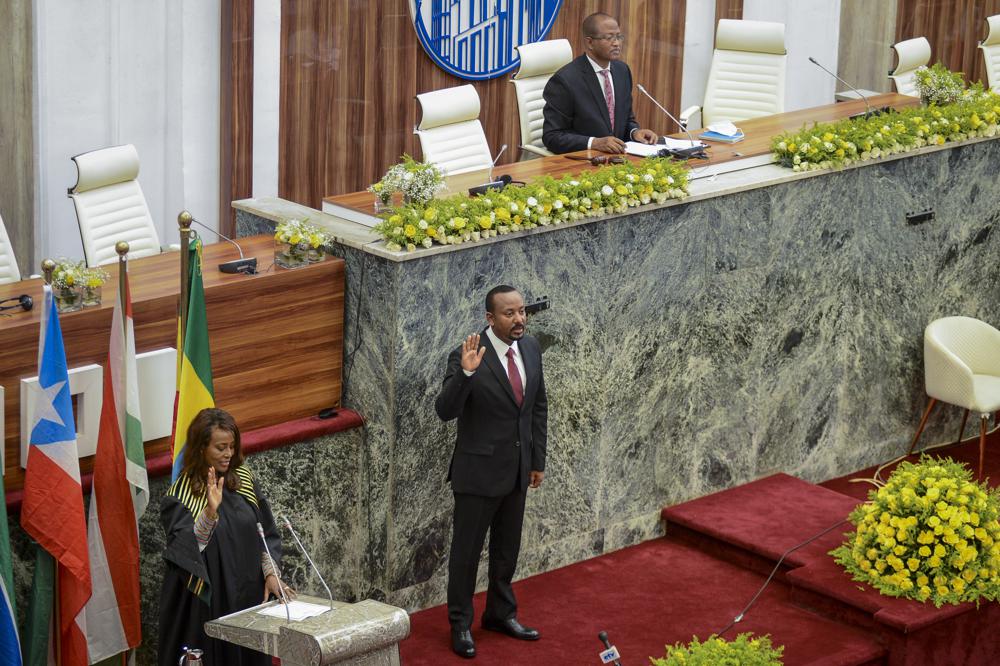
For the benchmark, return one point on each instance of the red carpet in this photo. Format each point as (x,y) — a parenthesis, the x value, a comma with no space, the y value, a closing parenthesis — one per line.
(717,553)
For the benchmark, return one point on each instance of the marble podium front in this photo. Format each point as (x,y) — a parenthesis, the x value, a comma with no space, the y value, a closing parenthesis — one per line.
(771,322)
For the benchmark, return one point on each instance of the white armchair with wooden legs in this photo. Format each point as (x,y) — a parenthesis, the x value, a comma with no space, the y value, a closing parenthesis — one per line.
(962,368)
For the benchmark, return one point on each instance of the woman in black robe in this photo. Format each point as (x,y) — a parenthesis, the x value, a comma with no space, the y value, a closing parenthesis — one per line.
(216,563)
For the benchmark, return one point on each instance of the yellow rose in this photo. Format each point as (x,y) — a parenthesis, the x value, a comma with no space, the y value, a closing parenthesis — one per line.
(409,231)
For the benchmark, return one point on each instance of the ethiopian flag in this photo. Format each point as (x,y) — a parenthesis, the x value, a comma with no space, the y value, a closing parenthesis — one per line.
(194,361)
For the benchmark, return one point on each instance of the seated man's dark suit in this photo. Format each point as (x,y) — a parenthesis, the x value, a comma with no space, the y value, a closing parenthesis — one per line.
(575,109)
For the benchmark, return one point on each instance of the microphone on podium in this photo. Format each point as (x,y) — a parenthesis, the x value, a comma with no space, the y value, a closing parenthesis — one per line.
(697,149)
(241,265)
(498,184)
(302,549)
(869,112)
(610,654)
(274,567)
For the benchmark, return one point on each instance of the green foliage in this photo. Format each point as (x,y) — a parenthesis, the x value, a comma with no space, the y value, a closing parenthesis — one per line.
(545,201)
(939,85)
(929,534)
(745,650)
(829,145)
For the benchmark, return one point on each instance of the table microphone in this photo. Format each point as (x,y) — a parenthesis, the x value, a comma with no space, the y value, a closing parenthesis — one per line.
(697,149)
(610,654)
(498,184)
(24,302)
(274,567)
(302,549)
(870,111)
(241,265)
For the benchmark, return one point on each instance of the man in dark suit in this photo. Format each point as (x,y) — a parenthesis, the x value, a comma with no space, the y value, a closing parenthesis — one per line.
(495,387)
(588,102)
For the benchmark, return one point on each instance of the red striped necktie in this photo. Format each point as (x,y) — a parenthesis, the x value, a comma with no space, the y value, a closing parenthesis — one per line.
(609,97)
(515,377)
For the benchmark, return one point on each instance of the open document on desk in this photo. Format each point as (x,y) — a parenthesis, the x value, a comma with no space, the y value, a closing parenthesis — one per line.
(647,149)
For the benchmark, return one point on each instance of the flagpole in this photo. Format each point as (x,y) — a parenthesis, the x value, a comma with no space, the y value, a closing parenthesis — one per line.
(48,266)
(121,247)
(184,222)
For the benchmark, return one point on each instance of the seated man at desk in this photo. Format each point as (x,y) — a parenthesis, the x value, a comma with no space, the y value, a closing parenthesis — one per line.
(588,102)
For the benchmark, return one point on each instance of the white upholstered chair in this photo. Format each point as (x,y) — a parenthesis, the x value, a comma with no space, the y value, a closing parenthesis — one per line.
(910,54)
(991,51)
(8,262)
(747,75)
(962,368)
(539,61)
(450,133)
(110,205)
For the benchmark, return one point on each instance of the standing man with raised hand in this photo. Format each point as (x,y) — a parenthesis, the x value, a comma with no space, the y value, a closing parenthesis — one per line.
(588,102)
(495,387)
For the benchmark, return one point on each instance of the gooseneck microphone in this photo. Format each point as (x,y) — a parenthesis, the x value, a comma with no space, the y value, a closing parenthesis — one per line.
(610,654)
(696,149)
(281,587)
(302,549)
(869,110)
(241,265)
(498,184)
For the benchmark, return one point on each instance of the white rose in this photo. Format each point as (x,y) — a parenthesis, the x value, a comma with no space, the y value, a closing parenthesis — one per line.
(557,204)
(532,201)
(422,224)
(607,191)
(427,242)
(670,180)
(574,183)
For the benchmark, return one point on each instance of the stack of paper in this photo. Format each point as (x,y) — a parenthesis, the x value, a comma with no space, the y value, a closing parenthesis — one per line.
(724,132)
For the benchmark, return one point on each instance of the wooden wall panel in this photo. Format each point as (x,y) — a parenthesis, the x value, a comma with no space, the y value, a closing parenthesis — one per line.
(17,161)
(277,338)
(235,109)
(953,27)
(728,9)
(350,71)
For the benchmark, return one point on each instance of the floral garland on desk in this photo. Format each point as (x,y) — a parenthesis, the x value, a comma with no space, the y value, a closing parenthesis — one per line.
(930,534)
(830,145)
(545,201)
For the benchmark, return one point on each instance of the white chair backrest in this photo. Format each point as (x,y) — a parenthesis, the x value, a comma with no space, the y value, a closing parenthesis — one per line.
(450,133)
(8,262)
(747,76)
(991,51)
(975,343)
(539,61)
(111,207)
(910,54)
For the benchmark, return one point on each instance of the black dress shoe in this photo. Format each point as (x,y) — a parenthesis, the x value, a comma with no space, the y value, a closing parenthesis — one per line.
(512,628)
(461,643)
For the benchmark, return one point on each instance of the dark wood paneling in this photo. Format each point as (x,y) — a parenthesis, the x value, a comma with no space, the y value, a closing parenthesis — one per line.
(17,161)
(350,71)
(277,337)
(235,109)
(728,9)
(953,27)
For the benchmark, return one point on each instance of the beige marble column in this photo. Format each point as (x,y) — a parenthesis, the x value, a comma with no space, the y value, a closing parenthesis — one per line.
(867,30)
(17,162)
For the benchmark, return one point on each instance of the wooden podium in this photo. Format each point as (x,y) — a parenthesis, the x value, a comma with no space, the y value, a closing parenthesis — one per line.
(363,634)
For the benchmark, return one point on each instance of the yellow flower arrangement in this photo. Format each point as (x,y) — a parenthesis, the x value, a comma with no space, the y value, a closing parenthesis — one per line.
(745,650)
(831,145)
(545,201)
(930,533)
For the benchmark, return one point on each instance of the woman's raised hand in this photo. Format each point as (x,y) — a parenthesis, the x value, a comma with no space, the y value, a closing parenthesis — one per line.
(214,490)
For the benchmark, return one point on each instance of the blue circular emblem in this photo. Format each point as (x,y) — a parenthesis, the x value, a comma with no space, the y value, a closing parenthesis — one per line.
(476,39)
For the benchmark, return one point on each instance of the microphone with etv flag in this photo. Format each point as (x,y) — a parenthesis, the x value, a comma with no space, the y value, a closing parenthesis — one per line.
(866,114)
(610,654)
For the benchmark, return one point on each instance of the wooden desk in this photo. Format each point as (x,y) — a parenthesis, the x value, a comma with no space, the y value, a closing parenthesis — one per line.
(758,132)
(276,337)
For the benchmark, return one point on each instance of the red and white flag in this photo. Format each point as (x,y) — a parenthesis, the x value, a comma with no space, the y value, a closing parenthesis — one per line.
(120,495)
(52,510)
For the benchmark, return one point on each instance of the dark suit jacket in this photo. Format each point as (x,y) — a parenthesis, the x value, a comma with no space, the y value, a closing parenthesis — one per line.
(575,109)
(496,439)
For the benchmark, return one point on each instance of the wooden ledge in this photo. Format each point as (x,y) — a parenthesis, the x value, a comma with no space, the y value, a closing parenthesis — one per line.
(254,441)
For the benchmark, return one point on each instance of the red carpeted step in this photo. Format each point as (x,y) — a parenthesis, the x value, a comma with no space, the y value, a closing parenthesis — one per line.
(767,517)
(645,596)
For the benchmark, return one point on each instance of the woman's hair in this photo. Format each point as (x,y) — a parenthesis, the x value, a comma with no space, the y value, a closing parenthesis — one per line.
(199,435)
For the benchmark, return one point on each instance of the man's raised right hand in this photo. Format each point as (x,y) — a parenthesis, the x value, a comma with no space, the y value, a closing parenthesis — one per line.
(472,353)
